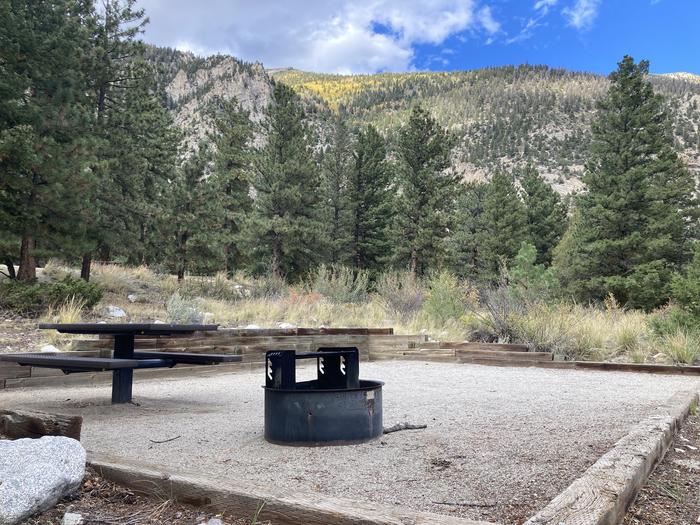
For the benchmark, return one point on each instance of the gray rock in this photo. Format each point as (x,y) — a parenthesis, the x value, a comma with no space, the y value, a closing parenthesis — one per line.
(252,327)
(48,349)
(286,326)
(132,297)
(114,311)
(36,473)
(215,521)
(72,518)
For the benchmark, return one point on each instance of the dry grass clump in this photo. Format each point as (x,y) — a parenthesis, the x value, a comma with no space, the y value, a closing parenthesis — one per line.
(573,331)
(401,292)
(124,279)
(70,311)
(681,347)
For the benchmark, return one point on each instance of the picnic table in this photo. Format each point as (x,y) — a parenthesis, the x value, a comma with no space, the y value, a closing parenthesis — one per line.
(124,358)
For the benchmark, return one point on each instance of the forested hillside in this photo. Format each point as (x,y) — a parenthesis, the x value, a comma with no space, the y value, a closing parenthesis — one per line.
(503,117)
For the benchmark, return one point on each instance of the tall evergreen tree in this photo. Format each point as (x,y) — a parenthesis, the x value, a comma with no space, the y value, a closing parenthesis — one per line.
(636,218)
(114,80)
(231,138)
(505,224)
(135,175)
(284,232)
(196,216)
(372,210)
(426,197)
(336,180)
(467,243)
(44,125)
(546,214)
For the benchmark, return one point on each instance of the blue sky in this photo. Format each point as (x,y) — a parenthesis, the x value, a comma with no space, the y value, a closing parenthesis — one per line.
(366,36)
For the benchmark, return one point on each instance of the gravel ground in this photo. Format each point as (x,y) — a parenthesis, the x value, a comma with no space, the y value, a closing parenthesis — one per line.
(500,442)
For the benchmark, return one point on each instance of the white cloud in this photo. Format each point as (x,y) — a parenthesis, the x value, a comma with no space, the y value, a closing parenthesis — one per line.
(321,35)
(544,5)
(487,21)
(582,13)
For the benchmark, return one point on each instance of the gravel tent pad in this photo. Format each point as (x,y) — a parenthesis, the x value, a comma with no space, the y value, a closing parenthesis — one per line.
(500,443)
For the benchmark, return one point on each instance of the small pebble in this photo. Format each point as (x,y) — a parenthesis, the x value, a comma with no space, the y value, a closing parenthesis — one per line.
(72,518)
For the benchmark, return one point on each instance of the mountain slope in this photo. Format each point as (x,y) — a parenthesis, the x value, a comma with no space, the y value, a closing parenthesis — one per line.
(502,116)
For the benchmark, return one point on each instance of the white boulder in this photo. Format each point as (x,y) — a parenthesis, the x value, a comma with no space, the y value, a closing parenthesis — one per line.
(114,311)
(48,349)
(36,473)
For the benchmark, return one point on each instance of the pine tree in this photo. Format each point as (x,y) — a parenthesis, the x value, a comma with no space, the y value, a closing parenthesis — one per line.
(372,210)
(546,214)
(505,224)
(231,138)
(467,243)
(336,180)
(113,77)
(636,218)
(427,187)
(196,217)
(284,233)
(135,175)
(44,126)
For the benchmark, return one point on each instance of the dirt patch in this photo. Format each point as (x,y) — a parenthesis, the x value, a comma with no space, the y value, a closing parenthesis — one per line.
(18,334)
(102,502)
(670,496)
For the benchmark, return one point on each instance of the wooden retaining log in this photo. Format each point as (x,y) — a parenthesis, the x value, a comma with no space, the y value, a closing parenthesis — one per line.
(17,424)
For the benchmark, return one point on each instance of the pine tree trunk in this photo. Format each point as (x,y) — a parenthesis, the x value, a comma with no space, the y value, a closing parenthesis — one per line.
(182,250)
(276,257)
(10,268)
(414,262)
(85,267)
(227,266)
(27,262)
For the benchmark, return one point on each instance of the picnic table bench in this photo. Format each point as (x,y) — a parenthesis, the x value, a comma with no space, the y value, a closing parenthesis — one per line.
(124,359)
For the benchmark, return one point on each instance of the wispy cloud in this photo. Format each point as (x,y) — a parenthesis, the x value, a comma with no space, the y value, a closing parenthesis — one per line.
(487,21)
(582,14)
(543,6)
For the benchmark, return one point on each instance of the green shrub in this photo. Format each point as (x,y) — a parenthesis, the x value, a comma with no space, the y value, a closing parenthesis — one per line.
(32,299)
(182,311)
(446,298)
(22,298)
(673,319)
(402,292)
(66,289)
(339,284)
(685,289)
(528,281)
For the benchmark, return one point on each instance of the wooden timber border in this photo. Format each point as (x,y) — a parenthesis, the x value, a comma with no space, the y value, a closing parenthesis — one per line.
(251,344)
(266,504)
(602,495)
(375,344)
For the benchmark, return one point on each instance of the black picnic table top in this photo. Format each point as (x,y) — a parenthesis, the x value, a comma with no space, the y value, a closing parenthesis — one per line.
(124,359)
(128,328)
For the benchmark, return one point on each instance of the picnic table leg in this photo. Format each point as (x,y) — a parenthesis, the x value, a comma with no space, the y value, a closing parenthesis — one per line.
(123,378)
